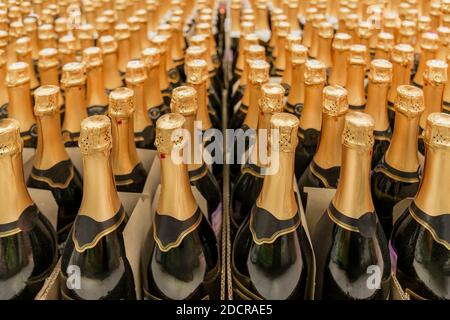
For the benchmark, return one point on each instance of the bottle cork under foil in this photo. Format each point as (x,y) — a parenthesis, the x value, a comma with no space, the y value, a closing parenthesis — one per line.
(122,31)
(341,41)
(160,42)
(194,53)
(95,135)
(18,73)
(287,126)
(403,54)
(385,41)
(358,130)
(437,131)
(272,98)
(429,41)
(135,72)
(435,72)
(92,57)
(48,58)
(196,71)
(168,134)
(334,100)
(409,101)
(299,54)
(184,101)
(46,100)
(151,57)
(108,44)
(259,72)
(357,54)
(10,141)
(380,71)
(121,102)
(73,74)
(315,72)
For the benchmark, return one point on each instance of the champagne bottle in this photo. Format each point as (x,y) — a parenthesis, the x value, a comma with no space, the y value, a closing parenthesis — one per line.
(317,20)
(239,59)
(102,26)
(177,48)
(407,32)
(135,37)
(280,59)
(27,239)
(435,78)
(446,98)
(95,244)
(112,79)
(324,169)
(52,168)
(16,30)
(311,115)
(23,53)
(67,47)
(61,28)
(152,15)
(296,97)
(3,88)
(48,67)
(144,130)
(160,42)
(97,100)
(286,80)
(235,17)
(324,47)
(184,258)
(444,37)
(86,36)
(364,32)
(397,177)
(184,102)
(249,182)
(348,239)
(429,44)
(270,257)
(385,44)
(129,174)
(31,23)
(423,25)
(380,77)
(73,81)
(338,72)
(262,28)
(402,60)
(420,238)
(165,30)
(141,14)
(122,35)
(308,28)
(19,96)
(355,77)
(46,36)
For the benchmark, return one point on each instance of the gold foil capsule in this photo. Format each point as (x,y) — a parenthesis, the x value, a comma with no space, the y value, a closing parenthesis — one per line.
(429,41)
(86,31)
(365,30)
(255,52)
(160,42)
(95,135)
(3,39)
(17,74)
(385,41)
(407,28)
(46,100)
(10,141)
(409,101)
(136,72)
(48,58)
(46,32)
(16,29)
(151,57)
(424,23)
(108,44)
(435,72)
(272,98)
(247,27)
(122,31)
(73,74)
(287,126)
(299,54)
(184,101)
(326,30)
(199,40)
(168,134)
(61,25)
(334,100)
(23,46)
(259,72)
(67,44)
(437,131)
(196,71)
(3,58)
(342,41)
(380,71)
(358,131)
(357,54)
(121,103)
(133,22)
(315,72)
(102,24)
(291,39)
(195,52)
(403,54)
(92,57)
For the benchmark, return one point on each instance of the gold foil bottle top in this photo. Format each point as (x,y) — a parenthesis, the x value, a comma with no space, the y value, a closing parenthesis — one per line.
(248,18)
(283,29)
(299,54)
(272,98)
(151,57)
(250,39)
(175,22)
(343,12)
(136,72)
(168,134)
(407,28)
(95,135)
(357,54)
(358,131)
(424,23)
(86,31)
(435,72)
(30,23)
(203,28)
(403,54)
(184,101)
(16,29)
(108,44)
(67,44)
(3,38)
(385,41)
(334,100)
(61,25)
(444,35)
(380,71)
(46,100)
(255,52)
(317,20)
(121,103)
(102,24)
(364,29)
(287,126)
(259,72)
(351,22)
(247,27)
(201,41)
(315,72)
(310,13)
(133,22)
(342,41)
(293,38)
(195,52)
(48,58)
(164,29)
(196,71)
(46,31)
(437,131)
(160,42)
(122,31)
(73,74)
(326,30)
(17,74)
(10,140)
(3,57)
(409,101)
(92,57)
(23,46)
(429,41)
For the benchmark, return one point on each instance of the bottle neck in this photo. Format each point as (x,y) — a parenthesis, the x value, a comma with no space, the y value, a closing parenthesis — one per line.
(100,200)
(68,57)
(153,95)
(75,108)
(432,197)
(49,76)
(196,160)
(14,196)
(324,52)
(152,19)
(287,74)
(355,85)
(338,75)
(243,80)
(235,20)
(34,44)
(50,148)
(111,76)
(433,96)
(202,112)
(297,94)
(353,196)
(400,76)
(328,154)
(3,89)
(19,106)
(277,194)
(85,43)
(34,83)
(280,61)
(381,54)
(96,95)
(169,60)
(177,51)
(124,155)
(124,54)
(141,118)
(312,111)
(176,198)
(163,79)
(402,152)
(135,39)
(262,23)
(376,105)
(251,119)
